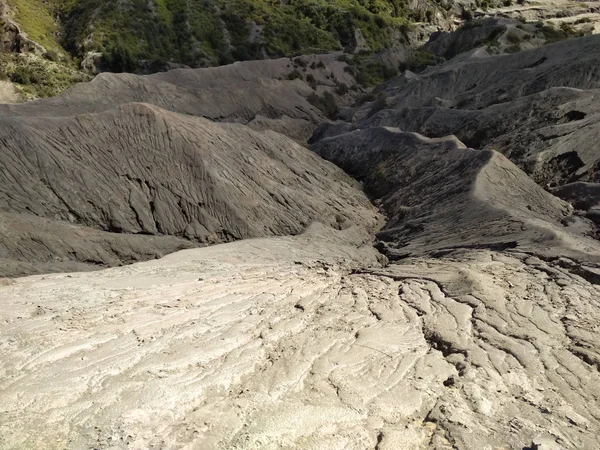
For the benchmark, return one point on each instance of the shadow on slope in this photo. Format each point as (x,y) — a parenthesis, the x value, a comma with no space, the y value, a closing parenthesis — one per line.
(145,171)
(440,195)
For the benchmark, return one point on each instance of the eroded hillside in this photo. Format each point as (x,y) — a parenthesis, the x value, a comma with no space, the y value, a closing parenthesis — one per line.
(423,275)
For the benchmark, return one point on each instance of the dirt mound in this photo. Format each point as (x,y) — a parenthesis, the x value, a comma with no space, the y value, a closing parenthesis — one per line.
(241,92)
(536,107)
(145,171)
(439,195)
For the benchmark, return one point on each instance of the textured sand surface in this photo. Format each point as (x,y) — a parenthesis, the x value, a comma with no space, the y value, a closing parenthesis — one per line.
(282,343)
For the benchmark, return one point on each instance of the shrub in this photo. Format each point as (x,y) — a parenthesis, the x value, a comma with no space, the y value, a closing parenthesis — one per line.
(466,15)
(295,75)
(512,38)
(368,97)
(326,103)
(513,48)
(51,55)
(552,34)
(470,24)
(119,58)
(300,62)
(379,104)
(342,89)
(420,60)
(21,76)
(429,15)
(370,73)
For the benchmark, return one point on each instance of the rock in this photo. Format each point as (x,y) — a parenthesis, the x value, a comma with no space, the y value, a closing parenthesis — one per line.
(545,443)
(584,196)
(361,44)
(12,38)
(91,62)
(8,93)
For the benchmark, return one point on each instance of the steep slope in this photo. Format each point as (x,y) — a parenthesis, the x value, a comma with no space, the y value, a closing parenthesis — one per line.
(439,195)
(536,107)
(142,170)
(210,32)
(30,244)
(478,80)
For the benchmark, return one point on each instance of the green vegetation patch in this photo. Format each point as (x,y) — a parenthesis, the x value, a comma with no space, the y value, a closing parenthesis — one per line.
(36,18)
(554,34)
(210,32)
(368,71)
(420,60)
(326,103)
(36,77)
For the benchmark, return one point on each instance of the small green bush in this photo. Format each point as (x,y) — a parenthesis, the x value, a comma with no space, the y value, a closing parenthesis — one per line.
(420,60)
(300,62)
(119,58)
(515,48)
(326,103)
(513,38)
(21,76)
(310,79)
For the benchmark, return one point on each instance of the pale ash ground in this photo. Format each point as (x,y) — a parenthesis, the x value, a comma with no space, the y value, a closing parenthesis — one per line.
(280,343)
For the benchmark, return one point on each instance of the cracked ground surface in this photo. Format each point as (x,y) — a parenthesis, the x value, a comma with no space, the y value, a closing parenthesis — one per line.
(288,343)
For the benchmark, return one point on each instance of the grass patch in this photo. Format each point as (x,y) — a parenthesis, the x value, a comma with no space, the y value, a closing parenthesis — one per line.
(36,77)
(420,60)
(36,18)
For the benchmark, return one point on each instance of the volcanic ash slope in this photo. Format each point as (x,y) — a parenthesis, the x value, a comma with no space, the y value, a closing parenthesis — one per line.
(151,174)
